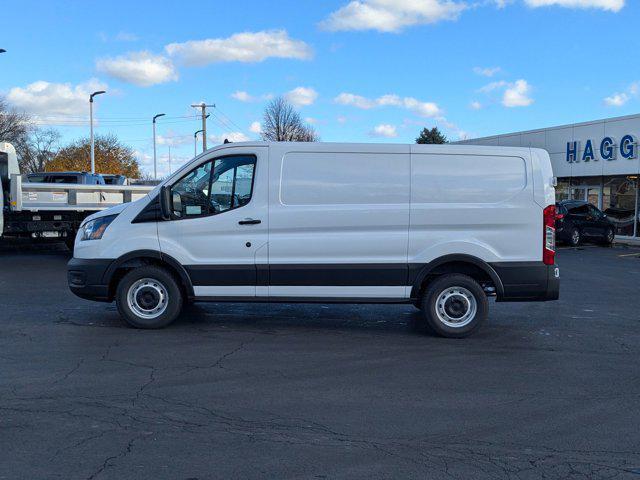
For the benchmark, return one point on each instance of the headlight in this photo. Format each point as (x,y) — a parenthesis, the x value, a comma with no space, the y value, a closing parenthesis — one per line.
(94,229)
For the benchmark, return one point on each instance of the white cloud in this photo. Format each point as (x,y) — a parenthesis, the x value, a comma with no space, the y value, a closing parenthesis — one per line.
(174,140)
(475,105)
(246,97)
(242,96)
(384,130)
(256,127)
(231,136)
(424,109)
(493,86)
(240,47)
(616,100)
(609,5)
(165,164)
(391,15)
(514,94)
(355,101)
(301,96)
(518,94)
(486,71)
(311,120)
(140,68)
(621,98)
(45,98)
(126,37)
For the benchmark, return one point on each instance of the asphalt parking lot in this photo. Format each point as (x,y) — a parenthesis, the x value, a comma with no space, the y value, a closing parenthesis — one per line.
(548,390)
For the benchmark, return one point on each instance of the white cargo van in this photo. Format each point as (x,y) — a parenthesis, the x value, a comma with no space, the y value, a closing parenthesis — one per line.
(440,227)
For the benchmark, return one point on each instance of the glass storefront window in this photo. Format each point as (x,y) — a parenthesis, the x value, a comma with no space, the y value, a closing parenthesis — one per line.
(562,190)
(619,202)
(618,197)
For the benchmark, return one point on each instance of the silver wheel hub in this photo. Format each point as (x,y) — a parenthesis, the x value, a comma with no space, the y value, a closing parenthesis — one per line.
(456,307)
(576,236)
(147,298)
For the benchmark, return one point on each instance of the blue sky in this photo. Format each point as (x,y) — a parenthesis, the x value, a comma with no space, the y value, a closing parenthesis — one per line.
(368,70)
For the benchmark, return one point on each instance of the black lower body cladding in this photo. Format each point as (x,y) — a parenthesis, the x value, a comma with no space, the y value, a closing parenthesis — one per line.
(519,281)
(528,281)
(86,278)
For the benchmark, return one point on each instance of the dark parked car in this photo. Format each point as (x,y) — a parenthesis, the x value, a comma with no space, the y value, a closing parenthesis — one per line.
(578,222)
(79,178)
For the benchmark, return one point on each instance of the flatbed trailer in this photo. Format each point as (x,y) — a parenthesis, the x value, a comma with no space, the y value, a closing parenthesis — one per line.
(52,210)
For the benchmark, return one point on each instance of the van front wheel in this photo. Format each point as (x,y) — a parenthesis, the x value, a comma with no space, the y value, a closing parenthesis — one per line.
(454,305)
(149,297)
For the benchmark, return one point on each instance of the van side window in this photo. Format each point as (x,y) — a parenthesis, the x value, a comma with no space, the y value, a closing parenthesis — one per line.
(190,195)
(214,187)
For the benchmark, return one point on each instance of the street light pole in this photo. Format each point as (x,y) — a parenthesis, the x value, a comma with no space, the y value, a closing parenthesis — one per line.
(203,106)
(93,155)
(195,143)
(2,50)
(155,167)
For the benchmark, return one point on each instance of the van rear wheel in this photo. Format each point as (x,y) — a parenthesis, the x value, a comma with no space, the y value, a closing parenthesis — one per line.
(149,297)
(454,305)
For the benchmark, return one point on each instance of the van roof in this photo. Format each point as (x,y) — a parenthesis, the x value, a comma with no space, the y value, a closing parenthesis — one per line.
(374,146)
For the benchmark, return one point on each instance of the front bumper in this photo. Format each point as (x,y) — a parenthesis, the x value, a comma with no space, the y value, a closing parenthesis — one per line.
(86,278)
(528,281)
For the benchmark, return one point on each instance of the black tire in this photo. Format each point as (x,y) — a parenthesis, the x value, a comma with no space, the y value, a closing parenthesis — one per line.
(575,238)
(153,285)
(460,286)
(609,236)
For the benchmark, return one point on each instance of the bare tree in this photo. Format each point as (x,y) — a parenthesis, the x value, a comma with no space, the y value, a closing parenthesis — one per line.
(36,148)
(13,125)
(282,123)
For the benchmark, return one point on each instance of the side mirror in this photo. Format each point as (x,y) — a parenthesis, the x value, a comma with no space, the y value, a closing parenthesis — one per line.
(165,202)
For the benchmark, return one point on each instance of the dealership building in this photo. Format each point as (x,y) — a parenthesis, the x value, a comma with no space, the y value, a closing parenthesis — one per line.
(594,161)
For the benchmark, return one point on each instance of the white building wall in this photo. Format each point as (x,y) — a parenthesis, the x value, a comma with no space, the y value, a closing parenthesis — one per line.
(555,139)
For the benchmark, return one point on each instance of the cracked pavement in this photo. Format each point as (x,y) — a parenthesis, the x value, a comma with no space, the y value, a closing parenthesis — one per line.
(546,390)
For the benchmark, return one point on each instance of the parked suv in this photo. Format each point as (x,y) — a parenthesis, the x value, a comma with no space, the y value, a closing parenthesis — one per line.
(578,221)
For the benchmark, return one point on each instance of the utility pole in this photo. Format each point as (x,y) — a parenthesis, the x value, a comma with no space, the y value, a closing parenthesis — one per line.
(155,166)
(93,155)
(203,106)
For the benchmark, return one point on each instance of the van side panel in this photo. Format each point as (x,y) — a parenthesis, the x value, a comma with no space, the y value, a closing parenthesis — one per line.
(473,204)
(339,222)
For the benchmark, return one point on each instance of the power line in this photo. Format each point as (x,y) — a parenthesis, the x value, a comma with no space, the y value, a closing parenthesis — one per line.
(228,119)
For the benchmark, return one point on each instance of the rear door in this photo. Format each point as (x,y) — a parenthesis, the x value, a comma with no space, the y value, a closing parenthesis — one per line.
(473,201)
(219,222)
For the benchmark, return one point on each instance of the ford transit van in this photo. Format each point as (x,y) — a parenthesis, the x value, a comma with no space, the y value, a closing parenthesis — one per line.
(442,227)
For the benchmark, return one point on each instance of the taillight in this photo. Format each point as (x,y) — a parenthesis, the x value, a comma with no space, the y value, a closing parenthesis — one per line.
(549,235)
(559,216)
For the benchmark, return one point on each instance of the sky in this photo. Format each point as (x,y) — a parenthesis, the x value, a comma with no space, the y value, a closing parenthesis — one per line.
(358,71)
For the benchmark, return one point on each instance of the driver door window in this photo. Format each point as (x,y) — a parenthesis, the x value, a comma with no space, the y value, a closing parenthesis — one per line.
(214,187)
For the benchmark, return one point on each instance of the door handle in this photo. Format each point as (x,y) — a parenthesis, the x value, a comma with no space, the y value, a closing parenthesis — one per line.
(249,221)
